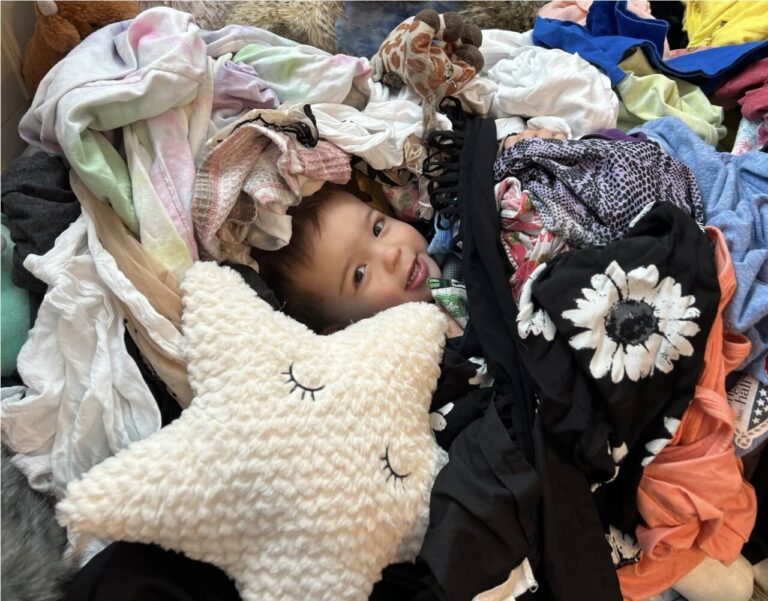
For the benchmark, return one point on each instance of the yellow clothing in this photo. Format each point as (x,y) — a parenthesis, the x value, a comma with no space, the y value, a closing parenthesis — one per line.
(645,94)
(725,22)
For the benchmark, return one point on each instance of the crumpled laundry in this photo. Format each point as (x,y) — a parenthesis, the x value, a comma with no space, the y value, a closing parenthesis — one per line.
(519,80)
(530,84)
(685,517)
(722,23)
(40,205)
(86,399)
(158,55)
(611,31)
(158,344)
(451,295)
(525,241)
(378,134)
(619,387)
(734,190)
(646,95)
(749,89)
(299,73)
(154,76)
(497,44)
(588,191)
(747,137)
(577,10)
(236,88)
(252,172)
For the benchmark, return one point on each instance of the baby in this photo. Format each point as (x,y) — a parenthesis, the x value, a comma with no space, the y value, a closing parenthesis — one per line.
(347,261)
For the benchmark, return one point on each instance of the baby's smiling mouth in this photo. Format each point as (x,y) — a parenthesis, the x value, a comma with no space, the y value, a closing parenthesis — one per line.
(417,274)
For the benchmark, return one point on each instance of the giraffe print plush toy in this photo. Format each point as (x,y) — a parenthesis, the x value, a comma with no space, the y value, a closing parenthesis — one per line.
(435,55)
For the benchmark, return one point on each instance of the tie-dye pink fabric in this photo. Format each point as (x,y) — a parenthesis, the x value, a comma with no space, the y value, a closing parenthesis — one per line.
(251,173)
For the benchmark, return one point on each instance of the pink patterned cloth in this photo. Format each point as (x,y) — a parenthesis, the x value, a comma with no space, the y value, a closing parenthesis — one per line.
(526,243)
(252,171)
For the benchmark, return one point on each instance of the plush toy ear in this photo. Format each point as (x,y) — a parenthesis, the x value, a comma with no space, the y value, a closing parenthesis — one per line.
(47,7)
(58,33)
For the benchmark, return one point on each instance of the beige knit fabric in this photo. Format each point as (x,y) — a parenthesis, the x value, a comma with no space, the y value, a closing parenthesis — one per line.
(304,464)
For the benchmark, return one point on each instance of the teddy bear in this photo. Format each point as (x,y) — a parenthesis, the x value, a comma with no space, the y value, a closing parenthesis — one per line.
(61,26)
(435,55)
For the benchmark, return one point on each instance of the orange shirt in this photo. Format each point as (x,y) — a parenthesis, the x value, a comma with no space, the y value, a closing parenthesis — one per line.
(692,496)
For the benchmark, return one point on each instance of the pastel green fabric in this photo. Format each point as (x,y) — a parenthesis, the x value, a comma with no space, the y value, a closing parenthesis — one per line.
(645,95)
(14,317)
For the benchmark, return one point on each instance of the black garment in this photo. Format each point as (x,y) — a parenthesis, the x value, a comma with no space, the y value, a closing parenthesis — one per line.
(455,398)
(39,205)
(136,572)
(601,419)
(256,283)
(485,501)
(576,563)
(483,518)
(756,548)
(169,407)
(672,13)
(460,166)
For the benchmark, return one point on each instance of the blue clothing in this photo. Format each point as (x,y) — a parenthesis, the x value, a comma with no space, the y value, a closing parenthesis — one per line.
(612,31)
(734,190)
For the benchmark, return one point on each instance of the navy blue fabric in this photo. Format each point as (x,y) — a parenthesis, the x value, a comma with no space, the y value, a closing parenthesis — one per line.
(612,31)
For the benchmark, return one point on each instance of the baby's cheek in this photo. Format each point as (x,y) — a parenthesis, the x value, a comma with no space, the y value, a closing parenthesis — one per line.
(392,298)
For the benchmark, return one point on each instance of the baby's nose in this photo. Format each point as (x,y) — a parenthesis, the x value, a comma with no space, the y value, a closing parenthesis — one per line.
(392,257)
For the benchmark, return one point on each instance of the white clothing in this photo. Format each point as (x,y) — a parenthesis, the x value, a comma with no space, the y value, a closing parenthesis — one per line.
(86,398)
(538,82)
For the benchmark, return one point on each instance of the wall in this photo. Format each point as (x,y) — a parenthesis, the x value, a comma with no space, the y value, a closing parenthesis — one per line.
(17,20)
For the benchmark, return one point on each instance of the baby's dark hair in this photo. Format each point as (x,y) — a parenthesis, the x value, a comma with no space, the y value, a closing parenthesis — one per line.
(278,268)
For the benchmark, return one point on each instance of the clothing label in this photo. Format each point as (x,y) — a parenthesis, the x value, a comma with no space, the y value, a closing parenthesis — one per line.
(749,400)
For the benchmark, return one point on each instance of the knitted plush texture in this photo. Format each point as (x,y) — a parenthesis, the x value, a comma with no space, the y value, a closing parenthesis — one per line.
(304,464)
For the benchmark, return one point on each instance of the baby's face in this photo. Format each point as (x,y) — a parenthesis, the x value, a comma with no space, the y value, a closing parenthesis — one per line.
(364,262)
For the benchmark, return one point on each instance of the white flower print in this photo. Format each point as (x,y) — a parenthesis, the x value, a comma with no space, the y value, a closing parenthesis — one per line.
(624,549)
(481,379)
(634,323)
(530,321)
(655,446)
(643,212)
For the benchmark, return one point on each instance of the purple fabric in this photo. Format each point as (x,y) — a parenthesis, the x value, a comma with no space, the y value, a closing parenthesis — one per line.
(236,88)
(589,191)
(616,134)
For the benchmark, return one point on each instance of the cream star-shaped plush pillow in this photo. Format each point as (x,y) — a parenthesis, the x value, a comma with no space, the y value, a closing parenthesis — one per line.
(304,464)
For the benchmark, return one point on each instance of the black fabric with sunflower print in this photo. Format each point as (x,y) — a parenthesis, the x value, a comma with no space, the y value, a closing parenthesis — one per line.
(614,338)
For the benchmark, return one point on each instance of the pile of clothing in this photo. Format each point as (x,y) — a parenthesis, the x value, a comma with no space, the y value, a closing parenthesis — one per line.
(617,280)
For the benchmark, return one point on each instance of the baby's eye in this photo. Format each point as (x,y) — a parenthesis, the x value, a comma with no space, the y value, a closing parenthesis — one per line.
(377,227)
(358,276)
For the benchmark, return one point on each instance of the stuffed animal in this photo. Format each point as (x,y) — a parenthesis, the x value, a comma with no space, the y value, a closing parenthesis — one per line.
(515,15)
(434,55)
(303,21)
(61,26)
(305,463)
